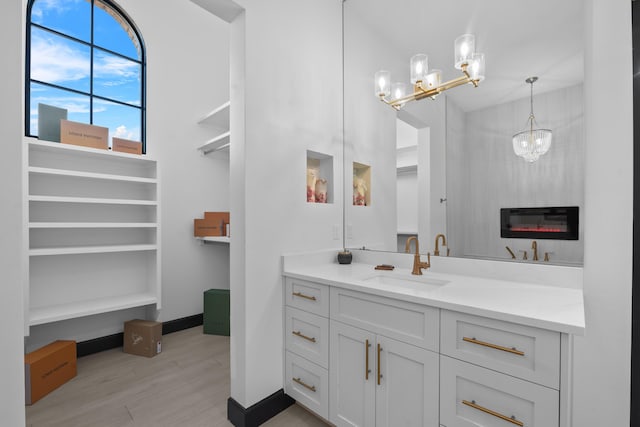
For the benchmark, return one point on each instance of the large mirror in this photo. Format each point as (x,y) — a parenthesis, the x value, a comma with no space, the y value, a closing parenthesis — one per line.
(447,166)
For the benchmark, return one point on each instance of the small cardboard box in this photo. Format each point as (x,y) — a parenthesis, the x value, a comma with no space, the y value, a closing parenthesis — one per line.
(126,146)
(220,217)
(207,227)
(48,368)
(83,134)
(142,337)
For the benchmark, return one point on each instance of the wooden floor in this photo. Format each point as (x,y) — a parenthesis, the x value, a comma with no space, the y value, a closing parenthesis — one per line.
(187,385)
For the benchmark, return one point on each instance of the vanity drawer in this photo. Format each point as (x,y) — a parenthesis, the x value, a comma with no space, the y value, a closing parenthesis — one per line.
(522,351)
(410,323)
(307,335)
(308,296)
(307,383)
(472,396)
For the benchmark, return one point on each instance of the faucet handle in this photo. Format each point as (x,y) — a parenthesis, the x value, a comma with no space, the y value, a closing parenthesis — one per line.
(524,255)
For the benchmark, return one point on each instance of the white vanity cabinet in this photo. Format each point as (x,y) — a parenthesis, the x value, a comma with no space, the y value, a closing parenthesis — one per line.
(498,373)
(378,381)
(384,361)
(307,344)
(390,362)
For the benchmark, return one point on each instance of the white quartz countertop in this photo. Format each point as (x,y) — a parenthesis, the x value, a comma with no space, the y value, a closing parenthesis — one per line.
(548,307)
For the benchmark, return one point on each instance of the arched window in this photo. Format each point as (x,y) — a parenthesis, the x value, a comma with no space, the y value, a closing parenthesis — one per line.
(86,57)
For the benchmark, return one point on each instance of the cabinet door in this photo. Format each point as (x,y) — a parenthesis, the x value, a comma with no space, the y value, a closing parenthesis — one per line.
(407,394)
(351,384)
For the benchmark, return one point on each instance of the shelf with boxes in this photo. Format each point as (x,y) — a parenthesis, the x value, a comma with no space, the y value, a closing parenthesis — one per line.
(91,231)
(215,227)
(218,119)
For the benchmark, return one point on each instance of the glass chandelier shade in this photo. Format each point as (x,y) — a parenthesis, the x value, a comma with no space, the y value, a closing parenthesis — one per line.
(532,142)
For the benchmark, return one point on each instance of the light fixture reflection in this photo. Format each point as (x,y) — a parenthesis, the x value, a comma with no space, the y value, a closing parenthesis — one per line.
(532,142)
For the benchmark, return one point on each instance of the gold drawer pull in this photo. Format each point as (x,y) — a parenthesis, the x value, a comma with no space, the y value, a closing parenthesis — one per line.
(379,373)
(301,295)
(366,359)
(303,384)
(301,335)
(511,419)
(494,346)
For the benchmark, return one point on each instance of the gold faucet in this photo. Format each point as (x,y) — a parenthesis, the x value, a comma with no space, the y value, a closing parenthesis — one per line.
(534,246)
(417,264)
(436,251)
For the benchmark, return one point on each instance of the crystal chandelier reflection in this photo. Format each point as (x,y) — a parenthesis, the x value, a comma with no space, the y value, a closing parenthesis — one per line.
(531,143)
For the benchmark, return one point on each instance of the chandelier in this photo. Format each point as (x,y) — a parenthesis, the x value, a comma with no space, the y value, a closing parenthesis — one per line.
(531,143)
(427,83)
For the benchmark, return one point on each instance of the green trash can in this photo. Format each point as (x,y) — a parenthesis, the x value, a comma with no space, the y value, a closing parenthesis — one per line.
(216,312)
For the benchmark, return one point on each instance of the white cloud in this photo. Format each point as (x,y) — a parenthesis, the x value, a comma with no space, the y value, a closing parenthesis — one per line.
(113,66)
(123,132)
(54,62)
(73,104)
(42,7)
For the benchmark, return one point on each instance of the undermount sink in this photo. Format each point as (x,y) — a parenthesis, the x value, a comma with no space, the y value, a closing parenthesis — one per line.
(413,282)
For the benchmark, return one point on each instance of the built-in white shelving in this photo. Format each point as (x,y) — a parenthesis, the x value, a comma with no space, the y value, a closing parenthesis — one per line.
(91,231)
(218,118)
(91,250)
(93,225)
(89,200)
(55,313)
(214,239)
(89,175)
(220,142)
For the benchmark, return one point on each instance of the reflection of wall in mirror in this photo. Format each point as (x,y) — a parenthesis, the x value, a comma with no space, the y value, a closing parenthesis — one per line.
(489,176)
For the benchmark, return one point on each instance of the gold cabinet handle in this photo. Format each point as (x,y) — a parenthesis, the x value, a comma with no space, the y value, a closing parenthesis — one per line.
(512,350)
(301,295)
(305,385)
(301,335)
(367,371)
(379,373)
(511,419)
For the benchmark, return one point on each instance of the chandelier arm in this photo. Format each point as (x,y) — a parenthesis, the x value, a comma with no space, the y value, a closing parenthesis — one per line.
(420,92)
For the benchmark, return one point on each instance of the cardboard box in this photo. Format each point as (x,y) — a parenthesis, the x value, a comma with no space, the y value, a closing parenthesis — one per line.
(142,337)
(48,368)
(126,146)
(83,134)
(220,217)
(206,227)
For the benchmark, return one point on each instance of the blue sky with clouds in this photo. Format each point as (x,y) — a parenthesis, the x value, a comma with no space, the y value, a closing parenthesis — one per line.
(64,62)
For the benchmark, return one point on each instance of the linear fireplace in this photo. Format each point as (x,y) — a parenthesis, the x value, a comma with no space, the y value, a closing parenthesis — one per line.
(559,223)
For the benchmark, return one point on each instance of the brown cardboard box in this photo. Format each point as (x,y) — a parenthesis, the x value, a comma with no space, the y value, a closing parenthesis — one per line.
(206,227)
(48,368)
(126,146)
(142,337)
(83,134)
(221,218)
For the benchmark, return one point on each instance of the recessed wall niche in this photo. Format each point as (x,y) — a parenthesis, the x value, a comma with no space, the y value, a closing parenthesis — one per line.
(319,177)
(361,184)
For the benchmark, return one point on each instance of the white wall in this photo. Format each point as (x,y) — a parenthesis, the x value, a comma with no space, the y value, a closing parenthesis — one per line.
(292,103)
(11,129)
(602,356)
(370,137)
(489,176)
(187,76)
